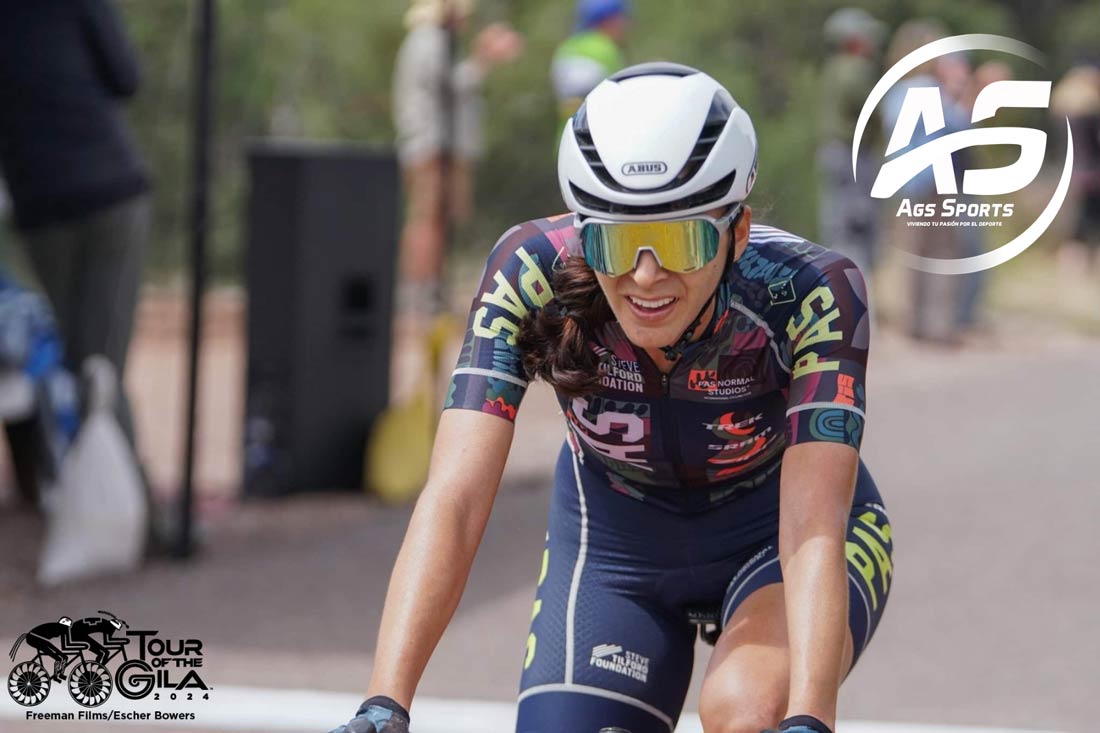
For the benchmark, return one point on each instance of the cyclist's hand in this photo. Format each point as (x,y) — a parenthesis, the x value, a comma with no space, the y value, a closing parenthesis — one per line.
(801,724)
(496,44)
(379,714)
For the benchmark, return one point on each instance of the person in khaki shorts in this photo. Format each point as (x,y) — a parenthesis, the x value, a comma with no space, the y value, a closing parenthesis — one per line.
(439,133)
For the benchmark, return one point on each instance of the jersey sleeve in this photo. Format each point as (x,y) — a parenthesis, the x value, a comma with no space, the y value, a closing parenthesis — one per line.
(489,375)
(828,335)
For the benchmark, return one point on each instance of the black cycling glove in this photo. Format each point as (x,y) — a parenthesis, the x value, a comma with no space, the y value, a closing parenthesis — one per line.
(379,714)
(801,724)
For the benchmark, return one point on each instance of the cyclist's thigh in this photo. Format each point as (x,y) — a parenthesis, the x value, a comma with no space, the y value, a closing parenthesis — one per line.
(600,653)
(869,549)
(100,650)
(45,646)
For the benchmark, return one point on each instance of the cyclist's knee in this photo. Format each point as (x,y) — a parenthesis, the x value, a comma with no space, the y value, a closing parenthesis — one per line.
(740,716)
(746,710)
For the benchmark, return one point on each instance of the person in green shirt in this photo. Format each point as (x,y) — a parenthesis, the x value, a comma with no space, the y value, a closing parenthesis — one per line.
(848,216)
(593,53)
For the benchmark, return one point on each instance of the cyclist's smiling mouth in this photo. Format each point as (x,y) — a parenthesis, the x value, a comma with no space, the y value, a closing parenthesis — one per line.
(651,308)
(655,306)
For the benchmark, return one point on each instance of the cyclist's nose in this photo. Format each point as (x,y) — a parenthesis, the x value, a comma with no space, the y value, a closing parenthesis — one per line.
(648,270)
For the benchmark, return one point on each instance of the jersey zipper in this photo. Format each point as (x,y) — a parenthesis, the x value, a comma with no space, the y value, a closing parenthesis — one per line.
(668,422)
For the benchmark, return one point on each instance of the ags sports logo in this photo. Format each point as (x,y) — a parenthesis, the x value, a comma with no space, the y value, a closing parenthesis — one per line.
(923,106)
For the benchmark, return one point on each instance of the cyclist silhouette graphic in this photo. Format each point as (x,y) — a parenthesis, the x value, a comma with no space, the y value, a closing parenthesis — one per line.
(90,682)
(39,638)
(83,629)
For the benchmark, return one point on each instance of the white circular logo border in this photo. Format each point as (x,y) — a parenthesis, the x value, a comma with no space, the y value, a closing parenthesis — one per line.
(942,47)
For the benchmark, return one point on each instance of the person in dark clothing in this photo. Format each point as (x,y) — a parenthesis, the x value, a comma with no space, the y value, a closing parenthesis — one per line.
(78,186)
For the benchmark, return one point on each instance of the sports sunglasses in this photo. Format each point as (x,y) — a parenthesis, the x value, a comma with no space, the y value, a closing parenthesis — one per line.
(680,245)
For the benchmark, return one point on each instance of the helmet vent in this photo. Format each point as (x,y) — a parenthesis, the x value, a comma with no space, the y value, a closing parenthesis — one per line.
(701,198)
(653,68)
(707,138)
(588,150)
(721,107)
(587,146)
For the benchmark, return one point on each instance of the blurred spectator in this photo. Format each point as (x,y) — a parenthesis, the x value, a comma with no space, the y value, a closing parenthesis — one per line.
(933,297)
(959,86)
(439,135)
(78,186)
(591,54)
(1077,96)
(848,215)
(38,395)
(76,464)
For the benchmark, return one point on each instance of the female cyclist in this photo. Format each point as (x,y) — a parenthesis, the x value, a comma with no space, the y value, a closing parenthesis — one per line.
(711,373)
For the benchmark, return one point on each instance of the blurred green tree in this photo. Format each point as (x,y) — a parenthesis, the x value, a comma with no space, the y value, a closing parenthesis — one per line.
(321,69)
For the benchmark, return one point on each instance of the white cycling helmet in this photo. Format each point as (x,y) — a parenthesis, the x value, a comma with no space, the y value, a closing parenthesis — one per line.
(656,141)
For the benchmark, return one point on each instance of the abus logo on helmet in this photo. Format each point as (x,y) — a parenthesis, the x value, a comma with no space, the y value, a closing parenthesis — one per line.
(654,168)
(923,105)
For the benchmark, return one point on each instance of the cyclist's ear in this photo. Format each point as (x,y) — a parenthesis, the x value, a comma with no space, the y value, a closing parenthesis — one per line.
(741,232)
(744,221)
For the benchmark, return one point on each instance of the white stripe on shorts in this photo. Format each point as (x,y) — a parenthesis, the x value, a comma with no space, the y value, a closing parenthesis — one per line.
(599,692)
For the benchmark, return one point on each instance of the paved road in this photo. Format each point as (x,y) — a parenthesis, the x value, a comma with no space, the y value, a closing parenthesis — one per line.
(989,461)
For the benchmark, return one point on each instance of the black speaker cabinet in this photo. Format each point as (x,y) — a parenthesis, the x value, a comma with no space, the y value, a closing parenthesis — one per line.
(322,234)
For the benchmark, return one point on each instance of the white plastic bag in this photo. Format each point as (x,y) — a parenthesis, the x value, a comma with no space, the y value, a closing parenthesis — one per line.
(96,515)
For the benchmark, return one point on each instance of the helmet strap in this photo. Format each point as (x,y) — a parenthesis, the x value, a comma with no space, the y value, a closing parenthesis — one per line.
(675,351)
(672,353)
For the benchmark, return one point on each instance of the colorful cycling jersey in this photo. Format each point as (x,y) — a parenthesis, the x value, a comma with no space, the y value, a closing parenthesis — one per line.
(781,362)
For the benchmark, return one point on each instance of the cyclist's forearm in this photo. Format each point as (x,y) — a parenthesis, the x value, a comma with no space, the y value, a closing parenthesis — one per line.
(816,589)
(427,583)
(67,646)
(816,489)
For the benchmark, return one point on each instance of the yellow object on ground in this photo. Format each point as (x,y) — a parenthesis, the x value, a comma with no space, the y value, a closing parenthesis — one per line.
(399,447)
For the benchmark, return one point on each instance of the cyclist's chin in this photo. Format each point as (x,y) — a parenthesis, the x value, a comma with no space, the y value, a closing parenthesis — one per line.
(652,336)
(654,328)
